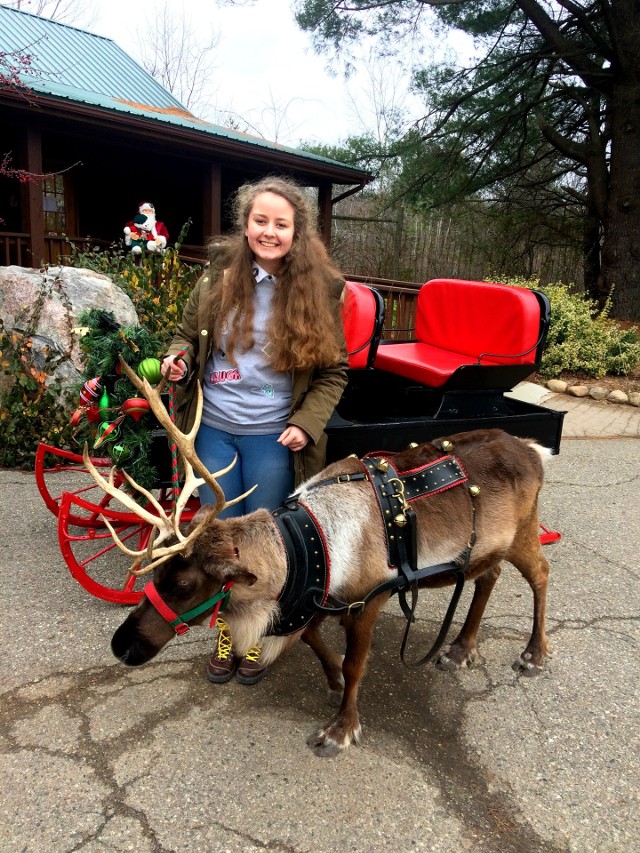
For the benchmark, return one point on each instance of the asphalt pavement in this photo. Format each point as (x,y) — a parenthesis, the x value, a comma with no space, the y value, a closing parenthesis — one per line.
(98,758)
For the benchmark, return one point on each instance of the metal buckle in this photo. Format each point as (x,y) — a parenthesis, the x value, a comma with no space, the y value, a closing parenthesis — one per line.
(343,478)
(400,493)
(182,628)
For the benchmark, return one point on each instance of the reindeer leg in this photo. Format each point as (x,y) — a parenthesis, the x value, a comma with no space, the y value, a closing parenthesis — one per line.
(464,650)
(344,728)
(330,660)
(526,555)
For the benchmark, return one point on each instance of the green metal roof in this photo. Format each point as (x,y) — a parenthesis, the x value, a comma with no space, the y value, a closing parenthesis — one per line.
(81,67)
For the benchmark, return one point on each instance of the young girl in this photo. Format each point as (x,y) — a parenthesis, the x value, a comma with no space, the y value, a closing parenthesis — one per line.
(263,334)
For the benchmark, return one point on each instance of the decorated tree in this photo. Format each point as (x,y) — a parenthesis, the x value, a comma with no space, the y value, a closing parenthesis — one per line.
(110,414)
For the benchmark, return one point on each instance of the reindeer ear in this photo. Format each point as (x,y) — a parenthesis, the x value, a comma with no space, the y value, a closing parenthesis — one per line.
(243,576)
(200,515)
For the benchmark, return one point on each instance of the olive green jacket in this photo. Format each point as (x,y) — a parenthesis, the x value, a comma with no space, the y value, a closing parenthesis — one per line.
(315,393)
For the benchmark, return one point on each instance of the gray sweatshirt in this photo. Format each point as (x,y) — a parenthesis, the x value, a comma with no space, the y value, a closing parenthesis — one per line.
(252,398)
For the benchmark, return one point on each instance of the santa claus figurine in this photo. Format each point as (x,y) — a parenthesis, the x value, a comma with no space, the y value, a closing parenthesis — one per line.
(145,230)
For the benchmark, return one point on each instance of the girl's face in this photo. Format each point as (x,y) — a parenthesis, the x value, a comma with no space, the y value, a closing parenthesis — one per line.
(270,230)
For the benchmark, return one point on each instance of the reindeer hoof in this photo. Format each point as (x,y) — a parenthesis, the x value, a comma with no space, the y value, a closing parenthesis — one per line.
(332,739)
(457,658)
(526,666)
(322,747)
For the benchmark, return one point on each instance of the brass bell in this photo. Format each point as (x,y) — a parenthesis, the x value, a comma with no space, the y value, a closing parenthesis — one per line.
(447,445)
(474,491)
(400,520)
(382,465)
(412,445)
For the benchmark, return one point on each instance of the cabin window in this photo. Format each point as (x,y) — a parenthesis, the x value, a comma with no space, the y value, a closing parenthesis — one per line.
(53,205)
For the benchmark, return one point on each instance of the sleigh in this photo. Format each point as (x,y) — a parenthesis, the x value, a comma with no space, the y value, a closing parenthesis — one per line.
(471,344)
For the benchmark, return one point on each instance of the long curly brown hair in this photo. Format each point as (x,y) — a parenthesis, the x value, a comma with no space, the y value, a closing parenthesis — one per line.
(303,328)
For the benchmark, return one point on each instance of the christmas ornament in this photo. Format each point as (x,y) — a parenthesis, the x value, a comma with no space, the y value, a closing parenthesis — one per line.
(135,407)
(90,391)
(119,453)
(150,369)
(103,405)
(107,432)
(93,414)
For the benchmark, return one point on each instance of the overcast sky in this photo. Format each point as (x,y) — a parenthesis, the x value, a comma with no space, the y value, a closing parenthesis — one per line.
(263,59)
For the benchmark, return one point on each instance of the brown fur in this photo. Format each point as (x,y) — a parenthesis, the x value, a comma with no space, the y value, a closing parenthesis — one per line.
(249,551)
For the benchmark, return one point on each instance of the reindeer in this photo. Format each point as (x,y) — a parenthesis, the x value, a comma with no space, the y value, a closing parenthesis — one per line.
(245,561)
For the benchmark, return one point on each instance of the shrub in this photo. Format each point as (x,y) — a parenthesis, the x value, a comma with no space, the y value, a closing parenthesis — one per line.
(583,339)
(36,408)
(31,411)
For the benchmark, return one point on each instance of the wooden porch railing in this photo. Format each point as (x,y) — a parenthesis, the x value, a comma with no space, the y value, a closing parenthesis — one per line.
(399,302)
(15,249)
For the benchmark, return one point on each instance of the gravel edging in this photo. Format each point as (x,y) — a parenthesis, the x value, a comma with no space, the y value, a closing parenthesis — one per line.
(596,392)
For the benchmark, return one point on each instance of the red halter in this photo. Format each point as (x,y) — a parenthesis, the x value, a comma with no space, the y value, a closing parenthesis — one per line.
(179,622)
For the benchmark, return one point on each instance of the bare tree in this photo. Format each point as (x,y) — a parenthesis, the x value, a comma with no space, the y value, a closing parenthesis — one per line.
(171,51)
(75,12)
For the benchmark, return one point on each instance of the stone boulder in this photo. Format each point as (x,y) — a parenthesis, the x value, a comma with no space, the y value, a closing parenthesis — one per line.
(58,296)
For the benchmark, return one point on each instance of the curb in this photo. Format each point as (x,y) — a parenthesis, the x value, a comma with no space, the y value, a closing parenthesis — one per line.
(596,392)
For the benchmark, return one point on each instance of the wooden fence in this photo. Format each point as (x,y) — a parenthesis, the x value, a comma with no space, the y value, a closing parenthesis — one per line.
(463,245)
(399,305)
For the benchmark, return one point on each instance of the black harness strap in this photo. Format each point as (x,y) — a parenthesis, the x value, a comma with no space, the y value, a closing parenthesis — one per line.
(307,567)
(460,570)
(394,490)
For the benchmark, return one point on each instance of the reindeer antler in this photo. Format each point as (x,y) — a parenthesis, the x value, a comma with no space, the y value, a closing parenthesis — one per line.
(165,525)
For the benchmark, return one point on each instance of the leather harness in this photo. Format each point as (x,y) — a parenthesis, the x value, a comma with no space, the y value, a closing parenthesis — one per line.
(306,589)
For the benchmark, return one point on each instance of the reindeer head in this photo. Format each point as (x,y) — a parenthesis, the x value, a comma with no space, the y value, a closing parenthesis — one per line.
(193,571)
(214,567)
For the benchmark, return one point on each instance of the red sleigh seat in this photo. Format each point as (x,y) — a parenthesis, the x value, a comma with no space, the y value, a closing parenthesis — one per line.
(363,318)
(471,334)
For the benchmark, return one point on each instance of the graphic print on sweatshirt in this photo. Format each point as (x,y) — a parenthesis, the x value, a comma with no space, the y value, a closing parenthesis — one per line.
(218,376)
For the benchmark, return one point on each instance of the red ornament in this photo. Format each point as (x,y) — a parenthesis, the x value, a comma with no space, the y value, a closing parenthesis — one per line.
(90,391)
(135,407)
(93,414)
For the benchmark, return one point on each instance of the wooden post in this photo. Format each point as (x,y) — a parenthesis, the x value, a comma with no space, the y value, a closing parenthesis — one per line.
(212,202)
(33,208)
(324,213)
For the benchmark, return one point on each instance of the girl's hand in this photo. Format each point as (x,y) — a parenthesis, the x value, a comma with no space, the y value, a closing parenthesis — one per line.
(294,438)
(173,369)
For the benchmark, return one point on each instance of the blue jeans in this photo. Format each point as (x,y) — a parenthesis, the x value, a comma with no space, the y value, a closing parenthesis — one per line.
(260,460)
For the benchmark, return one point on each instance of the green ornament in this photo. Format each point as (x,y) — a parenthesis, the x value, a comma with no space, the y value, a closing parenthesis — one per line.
(150,369)
(103,405)
(119,453)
